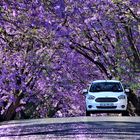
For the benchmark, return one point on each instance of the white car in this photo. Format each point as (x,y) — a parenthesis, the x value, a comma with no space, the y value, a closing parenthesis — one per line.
(106,96)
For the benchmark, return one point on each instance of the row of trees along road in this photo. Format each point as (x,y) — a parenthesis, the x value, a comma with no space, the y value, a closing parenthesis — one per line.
(50,50)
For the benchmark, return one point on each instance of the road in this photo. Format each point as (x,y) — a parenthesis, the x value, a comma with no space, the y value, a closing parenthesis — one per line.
(75,128)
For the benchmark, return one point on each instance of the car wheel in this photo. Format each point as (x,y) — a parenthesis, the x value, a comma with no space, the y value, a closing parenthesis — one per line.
(125,113)
(87,113)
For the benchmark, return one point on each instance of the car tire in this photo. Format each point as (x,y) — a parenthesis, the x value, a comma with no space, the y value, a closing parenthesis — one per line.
(125,113)
(88,113)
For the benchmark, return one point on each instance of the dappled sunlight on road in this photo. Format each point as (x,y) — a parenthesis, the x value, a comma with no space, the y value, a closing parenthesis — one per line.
(82,128)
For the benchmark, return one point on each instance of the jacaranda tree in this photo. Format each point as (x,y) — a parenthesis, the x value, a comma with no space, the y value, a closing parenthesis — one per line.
(50,51)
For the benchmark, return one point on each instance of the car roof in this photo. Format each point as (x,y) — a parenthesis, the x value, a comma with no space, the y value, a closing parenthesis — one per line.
(99,81)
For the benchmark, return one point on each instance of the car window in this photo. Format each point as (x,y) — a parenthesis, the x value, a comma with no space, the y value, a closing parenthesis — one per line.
(106,86)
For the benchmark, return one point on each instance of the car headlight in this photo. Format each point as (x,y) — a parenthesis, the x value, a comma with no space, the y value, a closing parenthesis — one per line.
(91,97)
(121,97)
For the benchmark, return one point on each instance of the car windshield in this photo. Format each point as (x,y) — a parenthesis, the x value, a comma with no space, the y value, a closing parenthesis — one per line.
(106,86)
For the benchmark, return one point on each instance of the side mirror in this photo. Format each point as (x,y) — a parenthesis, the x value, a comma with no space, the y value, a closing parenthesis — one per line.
(85,91)
(127,90)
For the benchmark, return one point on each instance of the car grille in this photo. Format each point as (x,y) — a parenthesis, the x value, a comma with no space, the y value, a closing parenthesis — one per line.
(106,100)
(106,107)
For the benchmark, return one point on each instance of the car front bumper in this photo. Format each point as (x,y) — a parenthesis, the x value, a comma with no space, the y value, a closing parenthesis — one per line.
(119,106)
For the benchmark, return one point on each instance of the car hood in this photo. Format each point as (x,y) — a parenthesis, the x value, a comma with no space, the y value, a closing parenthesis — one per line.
(106,94)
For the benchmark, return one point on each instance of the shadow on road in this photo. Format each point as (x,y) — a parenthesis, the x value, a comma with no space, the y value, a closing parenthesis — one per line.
(92,129)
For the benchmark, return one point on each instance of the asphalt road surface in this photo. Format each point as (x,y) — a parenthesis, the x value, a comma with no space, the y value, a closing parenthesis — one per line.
(75,128)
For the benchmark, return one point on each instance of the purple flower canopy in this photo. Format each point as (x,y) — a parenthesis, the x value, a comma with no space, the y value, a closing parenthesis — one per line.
(51,50)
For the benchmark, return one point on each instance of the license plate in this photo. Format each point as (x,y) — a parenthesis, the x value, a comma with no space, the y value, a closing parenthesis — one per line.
(106,104)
